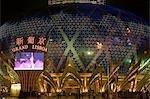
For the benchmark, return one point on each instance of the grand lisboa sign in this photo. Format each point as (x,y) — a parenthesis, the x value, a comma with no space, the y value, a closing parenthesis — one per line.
(30,43)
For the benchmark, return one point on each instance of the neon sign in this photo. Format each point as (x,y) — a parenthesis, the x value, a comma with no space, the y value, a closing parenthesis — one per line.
(30,43)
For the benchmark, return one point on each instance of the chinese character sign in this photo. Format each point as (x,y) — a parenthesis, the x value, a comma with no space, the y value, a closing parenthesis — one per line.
(19,41)
(30,40)
(41,41)
(30,43)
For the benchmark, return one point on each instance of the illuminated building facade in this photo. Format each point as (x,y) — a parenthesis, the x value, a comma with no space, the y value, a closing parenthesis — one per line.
(90,47)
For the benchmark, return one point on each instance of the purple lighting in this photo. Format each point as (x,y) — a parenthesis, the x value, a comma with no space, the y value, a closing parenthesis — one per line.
(29,61)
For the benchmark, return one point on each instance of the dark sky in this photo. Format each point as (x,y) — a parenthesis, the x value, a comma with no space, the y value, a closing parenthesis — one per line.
(15,8)
(138,7)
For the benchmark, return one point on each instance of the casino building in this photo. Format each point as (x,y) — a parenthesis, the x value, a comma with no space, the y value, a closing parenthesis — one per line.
(76,47)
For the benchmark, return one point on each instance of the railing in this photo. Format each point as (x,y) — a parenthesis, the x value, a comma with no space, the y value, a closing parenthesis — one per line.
(52,2)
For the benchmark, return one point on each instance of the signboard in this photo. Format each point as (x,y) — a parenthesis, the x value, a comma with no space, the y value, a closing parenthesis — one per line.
(31,43)
(29,61)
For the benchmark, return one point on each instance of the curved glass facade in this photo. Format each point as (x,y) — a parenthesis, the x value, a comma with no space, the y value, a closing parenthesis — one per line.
(77,30)
(90,35)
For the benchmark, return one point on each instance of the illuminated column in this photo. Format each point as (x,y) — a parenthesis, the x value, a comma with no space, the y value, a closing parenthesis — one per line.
(15,89)
(59,87)
(45,86)
(28,80)
(101,88)
(108,72)
(131,86)
(85,85)
(29,65)
(135,84)
(97,87)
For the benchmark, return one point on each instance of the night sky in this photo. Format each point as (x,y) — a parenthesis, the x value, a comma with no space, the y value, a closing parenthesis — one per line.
(15,8)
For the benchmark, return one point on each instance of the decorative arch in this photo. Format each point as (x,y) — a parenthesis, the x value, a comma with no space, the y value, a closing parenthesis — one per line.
(69,75)
(132,71)
(7,62)
(5,80)
(97,72)
(70,71)
(47,77)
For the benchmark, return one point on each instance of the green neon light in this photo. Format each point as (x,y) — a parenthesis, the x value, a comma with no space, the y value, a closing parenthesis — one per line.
(145,64)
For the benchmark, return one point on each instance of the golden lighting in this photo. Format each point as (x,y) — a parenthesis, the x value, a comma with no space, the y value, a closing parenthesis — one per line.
(99,45)
(69,64)
(132,83)
(15,89)
(102,90)
(58,90)
(84,90)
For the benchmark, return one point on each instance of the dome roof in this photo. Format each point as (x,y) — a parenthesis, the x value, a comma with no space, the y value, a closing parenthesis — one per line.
(90,34)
